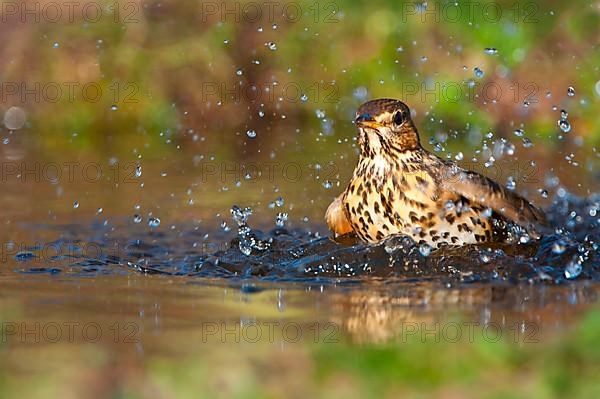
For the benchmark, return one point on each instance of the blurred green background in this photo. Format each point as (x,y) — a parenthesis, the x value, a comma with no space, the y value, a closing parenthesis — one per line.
(155,75)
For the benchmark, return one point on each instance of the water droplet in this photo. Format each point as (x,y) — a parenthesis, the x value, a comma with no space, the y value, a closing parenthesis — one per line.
(571,91)
(137,218)
(524,239)
(251,133)
(573,269)
(279,201)
(478,72)
(527,143)
(75,204)
(425,249)
(153,222)
(519,132)
(459,156)
(320,113)
(225,227)
(239,72)
(226,41)
(281,219)
(138,171)
(114,107)
(14,118)
(271,46)
(360,93)
(509,148)
(490,51)
(564,114)
(55,45)
(245,249)
(304,98)
(510,183)
(241,215)
(559,247)
(564,125)
(327,184)
(261,113)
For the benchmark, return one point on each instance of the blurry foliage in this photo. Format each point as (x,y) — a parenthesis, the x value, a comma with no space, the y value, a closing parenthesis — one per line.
(562,365)
(170,67)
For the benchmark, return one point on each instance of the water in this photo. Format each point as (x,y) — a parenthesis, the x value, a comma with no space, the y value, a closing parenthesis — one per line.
(564,125)
(478,72)
(153,222)
(298,254)
(251,133)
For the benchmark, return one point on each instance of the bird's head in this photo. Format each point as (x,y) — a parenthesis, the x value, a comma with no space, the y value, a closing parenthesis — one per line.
(385,125)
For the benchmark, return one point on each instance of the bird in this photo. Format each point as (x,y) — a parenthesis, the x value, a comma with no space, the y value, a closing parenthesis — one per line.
(400,188)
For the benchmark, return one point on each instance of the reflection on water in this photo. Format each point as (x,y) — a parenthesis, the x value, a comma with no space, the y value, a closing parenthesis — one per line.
(109,333)
(523,313)
(150,309)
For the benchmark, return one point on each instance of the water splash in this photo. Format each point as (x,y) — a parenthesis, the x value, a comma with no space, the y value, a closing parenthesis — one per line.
(247,240)
(570,252)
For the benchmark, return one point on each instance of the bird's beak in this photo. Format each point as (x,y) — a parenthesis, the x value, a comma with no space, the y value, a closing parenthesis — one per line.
(366,120)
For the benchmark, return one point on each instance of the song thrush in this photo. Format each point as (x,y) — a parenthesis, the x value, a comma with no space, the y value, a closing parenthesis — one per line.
(398,187)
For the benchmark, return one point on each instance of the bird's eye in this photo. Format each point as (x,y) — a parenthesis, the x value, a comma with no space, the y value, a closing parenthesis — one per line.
(398,118)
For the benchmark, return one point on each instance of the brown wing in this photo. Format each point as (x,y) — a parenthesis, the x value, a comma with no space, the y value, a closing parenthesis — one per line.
(336,218)
(484,191)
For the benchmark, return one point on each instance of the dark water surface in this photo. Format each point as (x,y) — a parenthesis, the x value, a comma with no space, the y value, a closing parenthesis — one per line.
(311,258)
